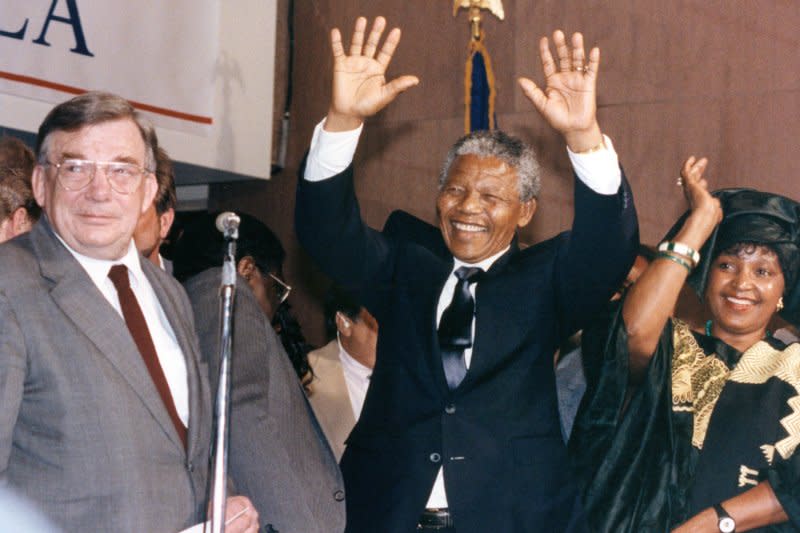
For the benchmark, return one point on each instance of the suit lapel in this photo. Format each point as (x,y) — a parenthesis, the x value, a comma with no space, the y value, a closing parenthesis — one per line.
(428,301)
(168,297)
(83,303)
(498,311)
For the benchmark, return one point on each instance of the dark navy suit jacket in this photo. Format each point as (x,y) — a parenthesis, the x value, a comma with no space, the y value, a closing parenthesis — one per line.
(497,435)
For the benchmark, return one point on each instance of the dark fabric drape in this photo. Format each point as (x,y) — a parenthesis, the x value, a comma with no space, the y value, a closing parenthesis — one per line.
(632,447)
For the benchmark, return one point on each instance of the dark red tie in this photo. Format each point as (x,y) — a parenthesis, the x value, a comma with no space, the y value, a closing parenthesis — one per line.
(141,336)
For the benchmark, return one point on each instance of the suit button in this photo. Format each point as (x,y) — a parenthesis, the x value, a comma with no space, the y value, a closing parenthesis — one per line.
(338,495)
(435,457)
(190,466)
(450,409)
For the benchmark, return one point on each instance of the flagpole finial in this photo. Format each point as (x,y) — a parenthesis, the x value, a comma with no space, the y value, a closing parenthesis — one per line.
(475,6)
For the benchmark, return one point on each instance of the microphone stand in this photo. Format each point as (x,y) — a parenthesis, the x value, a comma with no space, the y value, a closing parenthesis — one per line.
(221,408)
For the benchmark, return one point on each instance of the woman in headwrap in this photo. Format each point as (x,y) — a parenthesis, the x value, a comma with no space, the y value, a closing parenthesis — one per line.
(690,430)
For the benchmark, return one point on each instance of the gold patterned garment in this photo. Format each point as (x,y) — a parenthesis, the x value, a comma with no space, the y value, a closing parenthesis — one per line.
(697,380)
(744,409)
(707,423)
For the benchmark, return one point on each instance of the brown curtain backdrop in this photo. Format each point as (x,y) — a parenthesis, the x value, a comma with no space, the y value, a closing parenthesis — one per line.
(708,77)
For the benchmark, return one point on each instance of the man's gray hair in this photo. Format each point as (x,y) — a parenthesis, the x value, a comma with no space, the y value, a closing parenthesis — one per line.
(510,150)
(94,108)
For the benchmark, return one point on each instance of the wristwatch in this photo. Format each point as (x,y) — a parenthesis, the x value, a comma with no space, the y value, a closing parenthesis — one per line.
(725,522)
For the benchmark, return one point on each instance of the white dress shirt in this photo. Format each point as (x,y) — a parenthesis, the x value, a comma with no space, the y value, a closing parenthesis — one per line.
(170,355)
(356,377)
(331,152)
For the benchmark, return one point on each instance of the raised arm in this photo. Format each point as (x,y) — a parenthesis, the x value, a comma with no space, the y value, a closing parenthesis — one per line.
(652,298)
(359,84)
(569,100)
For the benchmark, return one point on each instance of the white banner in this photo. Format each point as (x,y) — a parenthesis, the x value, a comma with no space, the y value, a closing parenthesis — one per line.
(201,69)
(160,55)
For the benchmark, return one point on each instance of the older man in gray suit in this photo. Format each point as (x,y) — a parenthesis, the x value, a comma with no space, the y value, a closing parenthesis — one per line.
(105,404)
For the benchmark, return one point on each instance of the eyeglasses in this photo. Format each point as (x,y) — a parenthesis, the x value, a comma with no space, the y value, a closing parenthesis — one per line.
(77,174)
(282,290)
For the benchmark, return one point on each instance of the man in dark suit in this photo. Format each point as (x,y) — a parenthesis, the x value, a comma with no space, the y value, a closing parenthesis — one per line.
(460,428)
(106,408)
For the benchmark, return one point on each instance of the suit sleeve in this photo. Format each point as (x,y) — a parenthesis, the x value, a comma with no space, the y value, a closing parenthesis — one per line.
(597,255)
(12,378)
(329,226)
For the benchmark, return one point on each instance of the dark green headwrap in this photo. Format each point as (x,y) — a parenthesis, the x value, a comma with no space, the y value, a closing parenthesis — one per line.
(751,216)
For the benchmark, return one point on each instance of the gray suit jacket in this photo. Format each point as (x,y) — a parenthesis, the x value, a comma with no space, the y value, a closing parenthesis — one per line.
(329,397)
(83,432)
(278,455)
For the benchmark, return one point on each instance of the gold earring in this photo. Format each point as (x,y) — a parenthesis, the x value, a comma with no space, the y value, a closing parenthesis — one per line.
(780,304)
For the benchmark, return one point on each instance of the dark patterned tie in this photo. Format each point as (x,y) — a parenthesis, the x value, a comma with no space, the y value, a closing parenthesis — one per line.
(135,321)
(455,327)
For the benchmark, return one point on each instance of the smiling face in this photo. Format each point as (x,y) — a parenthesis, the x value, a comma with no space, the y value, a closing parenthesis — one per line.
(479,207)
(743,290)
(95,221)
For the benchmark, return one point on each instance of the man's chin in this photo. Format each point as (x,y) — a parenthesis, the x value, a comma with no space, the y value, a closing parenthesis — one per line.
(469,255)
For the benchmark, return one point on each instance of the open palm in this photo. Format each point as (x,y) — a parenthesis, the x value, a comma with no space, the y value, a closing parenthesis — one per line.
(359,84)
(569,99)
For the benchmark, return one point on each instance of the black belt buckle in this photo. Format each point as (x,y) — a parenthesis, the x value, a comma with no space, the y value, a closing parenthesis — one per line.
(432,519)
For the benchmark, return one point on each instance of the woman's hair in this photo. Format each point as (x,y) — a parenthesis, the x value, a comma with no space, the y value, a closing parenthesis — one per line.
(294,342)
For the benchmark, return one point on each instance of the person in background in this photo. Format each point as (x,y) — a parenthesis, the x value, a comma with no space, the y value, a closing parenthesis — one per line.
(342,368)
(278,454)
(155,224)
(18,208)
(585,347)
(694,429)
(259,260)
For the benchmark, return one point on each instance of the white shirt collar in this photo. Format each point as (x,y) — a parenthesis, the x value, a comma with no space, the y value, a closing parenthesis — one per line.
(484,265)
(98,268)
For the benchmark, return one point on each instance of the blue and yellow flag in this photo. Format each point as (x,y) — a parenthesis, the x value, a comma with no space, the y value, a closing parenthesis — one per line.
(479,90)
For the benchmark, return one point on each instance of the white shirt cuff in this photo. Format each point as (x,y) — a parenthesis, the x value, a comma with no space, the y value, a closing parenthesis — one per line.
(331,152)
(598,170)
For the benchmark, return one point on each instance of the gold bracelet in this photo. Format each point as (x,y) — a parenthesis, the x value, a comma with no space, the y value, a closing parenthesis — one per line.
(593,149)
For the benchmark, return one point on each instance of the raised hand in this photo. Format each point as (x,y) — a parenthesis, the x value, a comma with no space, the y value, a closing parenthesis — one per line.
(569,101)
(359,87)
(706,211)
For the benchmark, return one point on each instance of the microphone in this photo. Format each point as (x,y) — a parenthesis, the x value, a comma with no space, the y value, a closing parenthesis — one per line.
(228,224)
